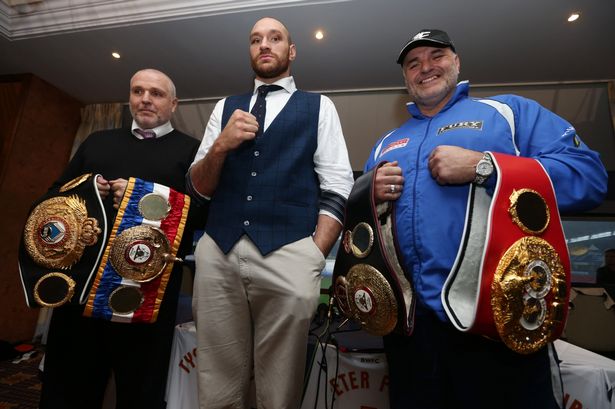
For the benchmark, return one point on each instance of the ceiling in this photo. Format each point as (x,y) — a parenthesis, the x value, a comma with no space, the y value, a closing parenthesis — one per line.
(203,45)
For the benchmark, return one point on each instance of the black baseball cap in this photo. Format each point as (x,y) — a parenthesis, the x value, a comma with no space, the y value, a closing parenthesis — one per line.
(429,37)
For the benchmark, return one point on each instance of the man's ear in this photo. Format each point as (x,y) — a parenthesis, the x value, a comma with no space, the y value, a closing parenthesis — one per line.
(292,52)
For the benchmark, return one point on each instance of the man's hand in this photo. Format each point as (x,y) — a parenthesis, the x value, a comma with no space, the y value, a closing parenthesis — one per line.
(241,126)
(452,165)
(103,187)
(205,174)
(118,187)
(389,182)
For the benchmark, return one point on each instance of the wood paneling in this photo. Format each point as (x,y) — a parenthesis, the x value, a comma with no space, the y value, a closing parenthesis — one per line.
(10,102)
(37,124)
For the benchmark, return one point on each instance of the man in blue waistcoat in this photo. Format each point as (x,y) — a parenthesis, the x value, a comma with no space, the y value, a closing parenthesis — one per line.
(273,164)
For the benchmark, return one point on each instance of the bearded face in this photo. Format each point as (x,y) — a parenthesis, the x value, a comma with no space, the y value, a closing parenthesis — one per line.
(431,75)
(268,65)
(271,50)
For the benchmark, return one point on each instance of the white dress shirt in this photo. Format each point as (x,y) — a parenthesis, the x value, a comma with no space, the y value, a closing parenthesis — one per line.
(159,130)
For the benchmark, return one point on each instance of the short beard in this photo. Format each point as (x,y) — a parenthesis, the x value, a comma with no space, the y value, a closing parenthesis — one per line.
(450,77)
(273,71)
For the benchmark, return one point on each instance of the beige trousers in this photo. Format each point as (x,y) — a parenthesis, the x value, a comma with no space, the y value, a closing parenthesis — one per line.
(253,315)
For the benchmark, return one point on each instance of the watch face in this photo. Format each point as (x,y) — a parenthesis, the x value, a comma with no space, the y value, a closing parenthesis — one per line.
(484,168)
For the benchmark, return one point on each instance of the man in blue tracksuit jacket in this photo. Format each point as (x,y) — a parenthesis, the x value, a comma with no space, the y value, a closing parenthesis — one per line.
(432,159)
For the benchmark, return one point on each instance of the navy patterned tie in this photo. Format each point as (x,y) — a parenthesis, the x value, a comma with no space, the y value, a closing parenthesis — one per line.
(260,107)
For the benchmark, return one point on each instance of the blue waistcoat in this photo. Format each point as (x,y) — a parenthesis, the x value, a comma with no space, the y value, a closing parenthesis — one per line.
(268,188)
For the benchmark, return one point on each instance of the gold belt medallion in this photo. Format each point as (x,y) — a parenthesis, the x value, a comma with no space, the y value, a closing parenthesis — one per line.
(153,206)
(58,230)
(125,299)
(529,211)
(365,295)
(54,289)
(528,294)
(141,253)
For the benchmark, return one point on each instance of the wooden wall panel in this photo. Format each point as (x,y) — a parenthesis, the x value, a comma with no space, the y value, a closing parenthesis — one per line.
(10,103)
(33,156)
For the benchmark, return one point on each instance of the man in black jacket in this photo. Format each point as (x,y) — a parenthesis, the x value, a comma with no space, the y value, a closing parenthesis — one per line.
(83,352)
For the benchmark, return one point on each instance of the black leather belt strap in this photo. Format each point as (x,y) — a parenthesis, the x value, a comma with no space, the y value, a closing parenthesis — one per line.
(370,285)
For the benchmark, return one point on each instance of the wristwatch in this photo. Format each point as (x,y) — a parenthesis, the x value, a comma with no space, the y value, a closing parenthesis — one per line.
(484,169)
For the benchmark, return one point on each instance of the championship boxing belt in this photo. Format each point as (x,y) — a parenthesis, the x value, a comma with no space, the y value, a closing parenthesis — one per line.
(63,240)
(369,283)
(137,262)
(511,279)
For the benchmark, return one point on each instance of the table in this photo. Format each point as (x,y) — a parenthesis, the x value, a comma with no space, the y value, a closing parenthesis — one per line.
(362,378)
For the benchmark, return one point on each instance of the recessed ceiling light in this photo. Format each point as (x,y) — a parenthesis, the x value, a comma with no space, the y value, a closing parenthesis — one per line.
(319,35)
(573,17)
(116,55)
